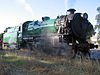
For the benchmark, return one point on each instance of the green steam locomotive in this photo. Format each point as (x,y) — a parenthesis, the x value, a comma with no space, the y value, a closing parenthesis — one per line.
(73,29)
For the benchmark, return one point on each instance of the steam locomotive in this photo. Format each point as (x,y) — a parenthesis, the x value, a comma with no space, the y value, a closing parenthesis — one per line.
(73,29)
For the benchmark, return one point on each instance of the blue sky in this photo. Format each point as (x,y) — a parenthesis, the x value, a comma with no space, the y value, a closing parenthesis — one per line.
(15,12)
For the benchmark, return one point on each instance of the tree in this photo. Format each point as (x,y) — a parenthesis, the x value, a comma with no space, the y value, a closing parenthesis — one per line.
(98,17)
(98,24)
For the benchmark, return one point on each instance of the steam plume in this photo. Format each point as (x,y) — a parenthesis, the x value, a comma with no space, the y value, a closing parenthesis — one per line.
(70,3)
(26,6)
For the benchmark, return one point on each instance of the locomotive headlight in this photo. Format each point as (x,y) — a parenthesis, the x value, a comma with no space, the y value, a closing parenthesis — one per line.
(85,16)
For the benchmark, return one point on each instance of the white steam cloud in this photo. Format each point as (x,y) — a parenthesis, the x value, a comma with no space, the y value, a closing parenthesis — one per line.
(70,3)
(26,6)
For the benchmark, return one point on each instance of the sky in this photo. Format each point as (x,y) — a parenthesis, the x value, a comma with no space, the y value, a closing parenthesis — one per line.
(15,12)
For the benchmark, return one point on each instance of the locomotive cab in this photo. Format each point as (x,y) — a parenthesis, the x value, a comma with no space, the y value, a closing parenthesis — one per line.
(12,37)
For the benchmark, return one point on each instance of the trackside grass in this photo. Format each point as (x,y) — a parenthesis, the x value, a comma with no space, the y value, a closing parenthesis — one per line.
(34,63)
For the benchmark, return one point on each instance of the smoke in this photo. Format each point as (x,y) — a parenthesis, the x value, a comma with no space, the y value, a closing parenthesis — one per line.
(26,6)
(49,43)
(70,3)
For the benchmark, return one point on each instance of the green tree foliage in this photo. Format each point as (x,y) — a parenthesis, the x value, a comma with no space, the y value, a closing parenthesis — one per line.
(98,18)
(98,24)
